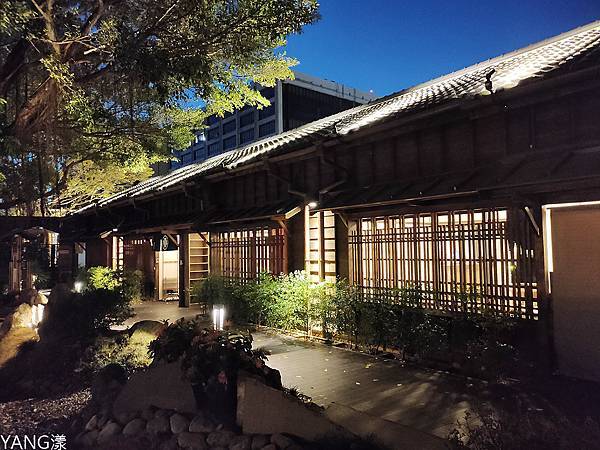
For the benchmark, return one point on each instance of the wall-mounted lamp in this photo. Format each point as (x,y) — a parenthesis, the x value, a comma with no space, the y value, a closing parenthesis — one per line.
(312,205)
(115,230)
(218,316)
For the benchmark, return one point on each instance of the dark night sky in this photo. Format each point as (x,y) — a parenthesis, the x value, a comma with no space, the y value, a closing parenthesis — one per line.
(388,45)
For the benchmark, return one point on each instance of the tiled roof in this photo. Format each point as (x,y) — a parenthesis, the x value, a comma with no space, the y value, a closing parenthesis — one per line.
(504,72)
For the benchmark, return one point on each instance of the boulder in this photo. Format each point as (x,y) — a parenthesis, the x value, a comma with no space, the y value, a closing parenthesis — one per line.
(136,426)
(259,441)
(170,444)
(192,441)
(220,438)
(20,318)
(158,425)
(201,424)
(124,417)
(179,423)
(110,430)
(107,384)
(281,441)
(162,386)
(89,438)
(243,442)
(92,423)
(150,327)
(163,413)
(264,410)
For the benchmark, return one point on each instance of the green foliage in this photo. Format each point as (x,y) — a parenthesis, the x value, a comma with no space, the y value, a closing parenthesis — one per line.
(85,315)
(482,344)
(101,277)
(129,284)
(205,353)
(132,285)
(118,84)
(132,353)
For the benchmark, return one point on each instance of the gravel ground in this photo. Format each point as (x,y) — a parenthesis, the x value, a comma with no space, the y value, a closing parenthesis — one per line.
(41,416)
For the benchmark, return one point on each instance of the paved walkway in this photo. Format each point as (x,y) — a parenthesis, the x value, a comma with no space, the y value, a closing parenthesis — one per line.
(426,400)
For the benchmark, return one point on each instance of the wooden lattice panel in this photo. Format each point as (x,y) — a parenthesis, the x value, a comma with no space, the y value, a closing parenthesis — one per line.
(475,261)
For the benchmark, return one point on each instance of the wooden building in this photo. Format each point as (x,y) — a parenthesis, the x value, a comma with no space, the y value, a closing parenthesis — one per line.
(485,181)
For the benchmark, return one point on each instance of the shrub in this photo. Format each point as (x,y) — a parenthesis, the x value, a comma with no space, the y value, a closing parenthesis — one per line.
(101,277)
(132,285)
(86,314)
(130,352)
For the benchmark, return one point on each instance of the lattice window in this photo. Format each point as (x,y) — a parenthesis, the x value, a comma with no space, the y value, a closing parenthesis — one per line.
(477,260)
(320,245)
(245,254)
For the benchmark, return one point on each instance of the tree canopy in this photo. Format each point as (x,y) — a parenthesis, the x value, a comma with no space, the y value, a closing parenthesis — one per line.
(92,92)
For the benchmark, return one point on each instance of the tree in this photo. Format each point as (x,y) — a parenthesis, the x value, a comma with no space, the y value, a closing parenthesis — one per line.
(94,91)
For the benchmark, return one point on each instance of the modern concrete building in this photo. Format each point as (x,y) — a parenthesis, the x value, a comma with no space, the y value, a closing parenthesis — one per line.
(293,103)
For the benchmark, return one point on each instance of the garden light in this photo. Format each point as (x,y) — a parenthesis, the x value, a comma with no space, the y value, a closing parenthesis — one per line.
(37,314)
(78,286)
(218,316)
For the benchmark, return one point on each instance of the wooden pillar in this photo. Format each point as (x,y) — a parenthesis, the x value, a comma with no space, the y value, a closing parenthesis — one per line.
(184,270)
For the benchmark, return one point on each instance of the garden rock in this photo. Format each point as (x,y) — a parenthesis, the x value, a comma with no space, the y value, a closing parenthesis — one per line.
(269,447)
(20,318)
(107,385)
(124,417)
(179,423)
(136,426)
(147,413)
(162,386)
(170,444)
(158,425)
(259,441)
(201,424)
(243,442)
(92,423)
(89,438)
(220,438)
(152,327)
(110,430)
(163,413)
(281,441)
(192,441)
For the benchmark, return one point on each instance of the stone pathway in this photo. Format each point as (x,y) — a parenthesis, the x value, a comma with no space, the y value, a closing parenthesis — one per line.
(429,401)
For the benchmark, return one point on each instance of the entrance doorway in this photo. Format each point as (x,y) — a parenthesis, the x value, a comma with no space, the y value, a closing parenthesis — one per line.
(572,235)
(167,275)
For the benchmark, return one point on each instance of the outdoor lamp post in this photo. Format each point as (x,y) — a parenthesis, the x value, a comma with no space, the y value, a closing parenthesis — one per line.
(218,316)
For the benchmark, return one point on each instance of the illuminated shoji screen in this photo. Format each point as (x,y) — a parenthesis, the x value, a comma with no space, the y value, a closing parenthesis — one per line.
(320,245)
(461,261)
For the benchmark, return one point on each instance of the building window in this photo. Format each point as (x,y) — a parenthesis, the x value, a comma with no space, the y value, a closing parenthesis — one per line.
(266,129)
(212,120)
(213,133)
(266,112)
(247,119)
(229,143)
(247,136)
(471,261)
(213,149)
(228,127)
